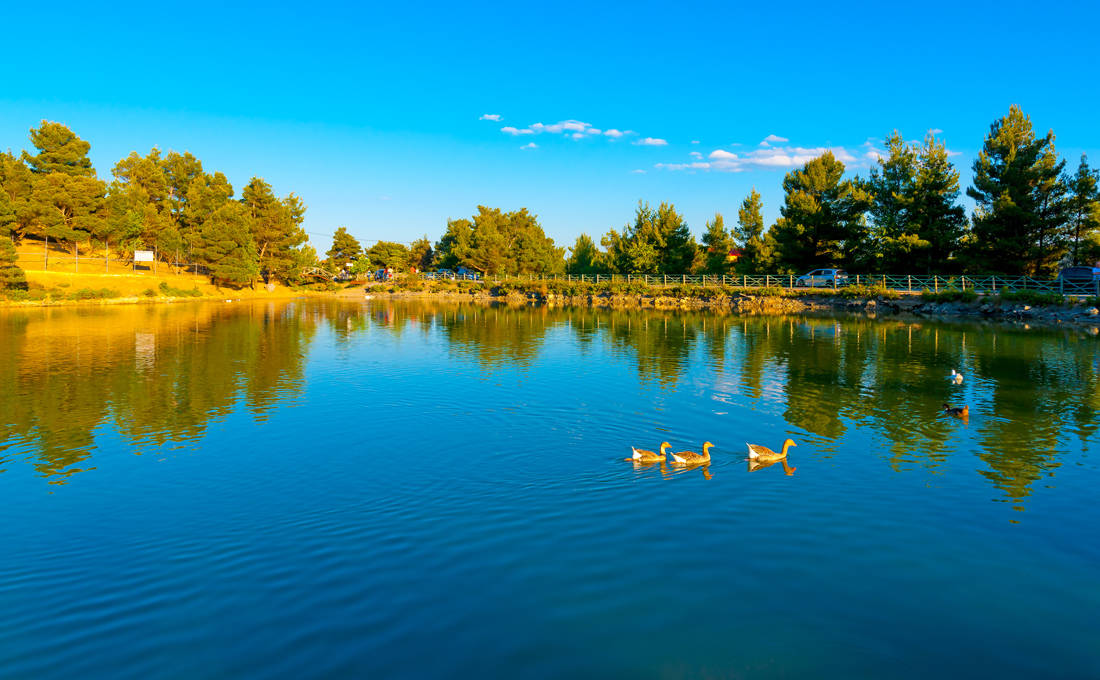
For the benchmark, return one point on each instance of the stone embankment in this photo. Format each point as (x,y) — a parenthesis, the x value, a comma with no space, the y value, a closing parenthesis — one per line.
(746,302)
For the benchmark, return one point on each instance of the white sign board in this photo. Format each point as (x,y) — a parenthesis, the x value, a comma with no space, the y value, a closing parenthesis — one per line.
(143,256)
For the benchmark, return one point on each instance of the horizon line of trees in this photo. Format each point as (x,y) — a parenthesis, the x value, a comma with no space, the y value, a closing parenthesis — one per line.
(162,202)
(1031,217)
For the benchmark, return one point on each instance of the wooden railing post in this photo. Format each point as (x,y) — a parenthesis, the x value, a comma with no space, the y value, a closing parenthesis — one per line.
(936,282)
(909,282)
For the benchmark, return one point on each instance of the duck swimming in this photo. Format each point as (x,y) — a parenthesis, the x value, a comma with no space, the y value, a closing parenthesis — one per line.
(957,411)
(956,377)
(644,456)
(692,458)
(764,454)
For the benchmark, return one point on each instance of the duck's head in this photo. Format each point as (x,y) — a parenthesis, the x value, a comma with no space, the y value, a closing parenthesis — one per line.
(789,442)
(706,446)
(665,445)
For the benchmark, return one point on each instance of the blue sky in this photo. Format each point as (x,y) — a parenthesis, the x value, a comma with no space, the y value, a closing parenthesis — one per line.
(375,114)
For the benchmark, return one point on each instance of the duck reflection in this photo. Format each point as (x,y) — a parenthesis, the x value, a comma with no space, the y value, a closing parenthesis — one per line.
(758,464)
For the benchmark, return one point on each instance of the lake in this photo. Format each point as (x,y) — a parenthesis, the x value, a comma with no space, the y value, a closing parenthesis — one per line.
(323,488)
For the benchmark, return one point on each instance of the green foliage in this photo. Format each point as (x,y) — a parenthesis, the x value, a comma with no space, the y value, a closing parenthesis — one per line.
(276,226)
(389,254)
(585,258)
(860,292)
(16,194)
(93,294)
(172,291)
(149,292)
(757,248)
(1082,214)
(11,275)
(421,254)
(59,151)
(1019,224)
(345,248)
(916,223)
(1031,297)
(226,246)
(658,242)
(495,242)
(951,295)
(718,243)
(822,216)
(67,208)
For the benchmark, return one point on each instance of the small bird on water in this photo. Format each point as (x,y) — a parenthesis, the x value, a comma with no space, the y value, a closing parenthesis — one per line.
(644,456)
(691,457)
(956,377)
(957,411)
(764,454)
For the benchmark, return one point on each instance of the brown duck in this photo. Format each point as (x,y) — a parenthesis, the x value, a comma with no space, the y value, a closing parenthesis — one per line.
(691,457)
(763,454)
(644,456)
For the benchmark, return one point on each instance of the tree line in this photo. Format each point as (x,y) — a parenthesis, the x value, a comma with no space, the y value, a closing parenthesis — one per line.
(1031,217)
(162,202)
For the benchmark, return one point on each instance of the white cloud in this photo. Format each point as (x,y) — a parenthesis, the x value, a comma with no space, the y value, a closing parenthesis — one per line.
(637,172)
(698,165)
(614,133)
(651,141)
(935,131)
(516,131)
(774,139)
(490,116)
(695,141)
(696,154)
(771,157)
(530,145)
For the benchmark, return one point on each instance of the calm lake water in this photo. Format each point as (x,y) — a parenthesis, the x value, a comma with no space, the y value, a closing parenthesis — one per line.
(369,489)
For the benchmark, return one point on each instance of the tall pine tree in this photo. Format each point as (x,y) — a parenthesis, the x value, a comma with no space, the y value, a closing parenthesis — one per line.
(1018,227)
(821,221)
(226,246)
(757,248)
(718,244)
(1083,214)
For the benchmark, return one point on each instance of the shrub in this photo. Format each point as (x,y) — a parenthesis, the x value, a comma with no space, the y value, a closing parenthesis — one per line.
(93,294)
(949,296)
(171,291)
(1031,297)
(149,292)
(851,292)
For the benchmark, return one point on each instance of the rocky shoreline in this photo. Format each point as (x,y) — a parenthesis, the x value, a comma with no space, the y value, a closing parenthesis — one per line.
(745,302)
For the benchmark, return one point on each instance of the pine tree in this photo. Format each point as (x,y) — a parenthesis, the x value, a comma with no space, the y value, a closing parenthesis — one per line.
(421,254)
(453,247)
(388,254)
(658,242)
(756,247)
(585,258)
(16,193)
(276,226)
(60,151)
(345,249)
(934,213)
(1083,213)
(891,187)
(226,246)
(11,275)
(821,216)
(718,244)
(1018,227)
(68,208)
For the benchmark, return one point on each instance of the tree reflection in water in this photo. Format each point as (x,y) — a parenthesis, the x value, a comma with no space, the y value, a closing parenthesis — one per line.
(161,374)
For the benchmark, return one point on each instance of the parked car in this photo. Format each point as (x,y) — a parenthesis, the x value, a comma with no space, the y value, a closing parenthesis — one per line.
(445,274)
(1079,275)
(428,276)
(819,278)
(468,274)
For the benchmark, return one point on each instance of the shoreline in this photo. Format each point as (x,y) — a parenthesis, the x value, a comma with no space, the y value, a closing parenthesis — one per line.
(727,301)
(745,302)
